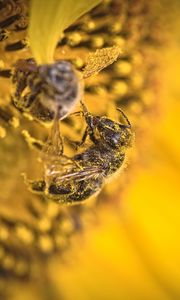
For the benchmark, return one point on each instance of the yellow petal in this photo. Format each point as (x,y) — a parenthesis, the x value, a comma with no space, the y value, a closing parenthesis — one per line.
(48,19)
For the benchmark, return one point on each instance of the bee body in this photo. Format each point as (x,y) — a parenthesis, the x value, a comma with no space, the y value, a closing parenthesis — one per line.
(90,168)
(46,90)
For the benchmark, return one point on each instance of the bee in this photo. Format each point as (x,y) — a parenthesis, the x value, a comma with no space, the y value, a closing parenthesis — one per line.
(71,180)
(46,90)
(52,90)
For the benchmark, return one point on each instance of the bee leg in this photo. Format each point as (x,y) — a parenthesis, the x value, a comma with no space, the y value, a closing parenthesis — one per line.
(84,108)
(125,117)
(35,186)
(77,113)
(6,73)
(77,144)
(54,144)
(6,116)
(84,137)
(89,118)
(32,142)
(89,131)
(23,103)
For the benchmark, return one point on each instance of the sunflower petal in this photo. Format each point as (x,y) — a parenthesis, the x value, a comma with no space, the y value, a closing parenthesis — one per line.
(48,19)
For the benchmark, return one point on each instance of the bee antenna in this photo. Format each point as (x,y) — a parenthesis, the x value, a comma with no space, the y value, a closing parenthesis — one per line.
(125,117)
(77,113)
(85,110)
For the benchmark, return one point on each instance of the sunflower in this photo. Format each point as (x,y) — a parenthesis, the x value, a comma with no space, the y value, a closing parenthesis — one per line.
(129,230)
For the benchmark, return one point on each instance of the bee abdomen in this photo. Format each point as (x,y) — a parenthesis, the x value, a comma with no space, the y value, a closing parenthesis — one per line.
(59,189)
(61,84)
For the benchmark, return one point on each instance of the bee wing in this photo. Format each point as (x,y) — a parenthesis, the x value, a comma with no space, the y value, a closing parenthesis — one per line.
(80,175)
(96,61)
(56,167)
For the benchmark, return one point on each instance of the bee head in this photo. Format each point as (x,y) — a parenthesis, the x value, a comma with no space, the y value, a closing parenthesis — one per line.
(115,134)
(60,76)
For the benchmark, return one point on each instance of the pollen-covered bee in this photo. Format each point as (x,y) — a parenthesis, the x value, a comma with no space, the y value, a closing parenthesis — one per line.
(46,90)
(49,90)
(70,180)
